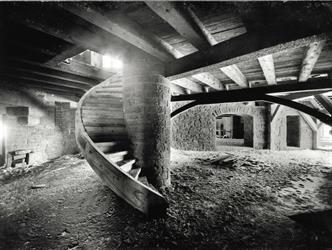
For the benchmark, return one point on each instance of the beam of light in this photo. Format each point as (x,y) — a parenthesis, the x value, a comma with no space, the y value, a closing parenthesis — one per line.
(2,130)
(112,63)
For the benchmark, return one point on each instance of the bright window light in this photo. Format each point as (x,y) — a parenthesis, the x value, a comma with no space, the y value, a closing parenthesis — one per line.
(111,62)
(2,130)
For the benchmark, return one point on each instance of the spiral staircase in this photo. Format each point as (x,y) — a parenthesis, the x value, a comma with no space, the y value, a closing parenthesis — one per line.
(102,138)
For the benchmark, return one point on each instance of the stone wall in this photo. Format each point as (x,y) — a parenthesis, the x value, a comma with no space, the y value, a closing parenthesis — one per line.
(41,122)
(195,128)
(279,131)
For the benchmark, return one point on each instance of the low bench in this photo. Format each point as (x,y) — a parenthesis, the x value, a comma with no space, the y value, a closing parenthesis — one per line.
(19,156)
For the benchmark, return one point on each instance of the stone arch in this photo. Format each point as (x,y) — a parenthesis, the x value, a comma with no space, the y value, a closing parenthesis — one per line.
(257,114)
(238,109)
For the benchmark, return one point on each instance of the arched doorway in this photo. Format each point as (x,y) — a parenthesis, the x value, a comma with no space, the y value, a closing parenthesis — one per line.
(234,130)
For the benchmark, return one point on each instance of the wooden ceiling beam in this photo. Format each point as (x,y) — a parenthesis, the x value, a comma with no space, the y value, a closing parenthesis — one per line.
(122,27)
(188,84)
(88,37)
(247,94)
(209,80)
(208,36)
(235,74)
(49,82)
(45,77)
(70,51)
(181,21)
(243,48)
(85,70)
(39,85)
(178,89)
(325,102)
(49,71)
(267,65)
(311,56)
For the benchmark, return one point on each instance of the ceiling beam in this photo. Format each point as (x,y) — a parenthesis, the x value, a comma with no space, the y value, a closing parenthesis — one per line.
(208,36)
(70,51)
(247,94)
(19,72)
(311,56)
(181,21)
(84,35)
(267,65)
(243,48)
(64,74)
(188,84)
(85,70)
(325,102)
(235,74)
(23,82)
(209,80)
(177,89)
(122,27)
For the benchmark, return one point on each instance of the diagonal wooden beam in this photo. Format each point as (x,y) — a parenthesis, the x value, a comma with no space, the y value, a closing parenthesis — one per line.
(311,56)
(243,48)
(188,84)
(70,51)
(308,119)
(275,112)
(181,22)
(234,73)
(84,35)
(122,27)
(208,36)
(209,80)
(267,65)
(184,108)
(300,107)
(325,102)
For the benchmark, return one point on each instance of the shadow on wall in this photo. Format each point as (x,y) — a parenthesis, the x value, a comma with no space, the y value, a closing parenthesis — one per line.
(39,123)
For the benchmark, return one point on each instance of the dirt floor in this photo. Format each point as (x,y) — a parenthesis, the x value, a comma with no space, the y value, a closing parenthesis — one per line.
(243,204)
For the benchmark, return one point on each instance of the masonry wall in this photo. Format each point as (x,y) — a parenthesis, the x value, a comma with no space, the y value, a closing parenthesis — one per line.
(279,131)
(195,128)
(41,122)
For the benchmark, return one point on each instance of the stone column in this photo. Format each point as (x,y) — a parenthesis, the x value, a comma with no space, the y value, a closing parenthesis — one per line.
(147,111)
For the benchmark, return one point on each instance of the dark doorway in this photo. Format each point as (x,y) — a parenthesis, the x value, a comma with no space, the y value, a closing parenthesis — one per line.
(293,131)
(234,130)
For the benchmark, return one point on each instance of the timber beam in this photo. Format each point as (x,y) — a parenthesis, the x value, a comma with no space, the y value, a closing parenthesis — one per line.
(325,102)
(121,27)
(300,107)
(311,56)
(70,51)
(182,21)
(267,65)
(248,94)
(243,48)
(72,72)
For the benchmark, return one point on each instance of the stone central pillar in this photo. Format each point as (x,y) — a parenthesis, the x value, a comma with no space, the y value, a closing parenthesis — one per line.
(147,111)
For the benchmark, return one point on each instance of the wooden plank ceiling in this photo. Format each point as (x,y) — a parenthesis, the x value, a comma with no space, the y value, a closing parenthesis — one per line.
(207,46)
